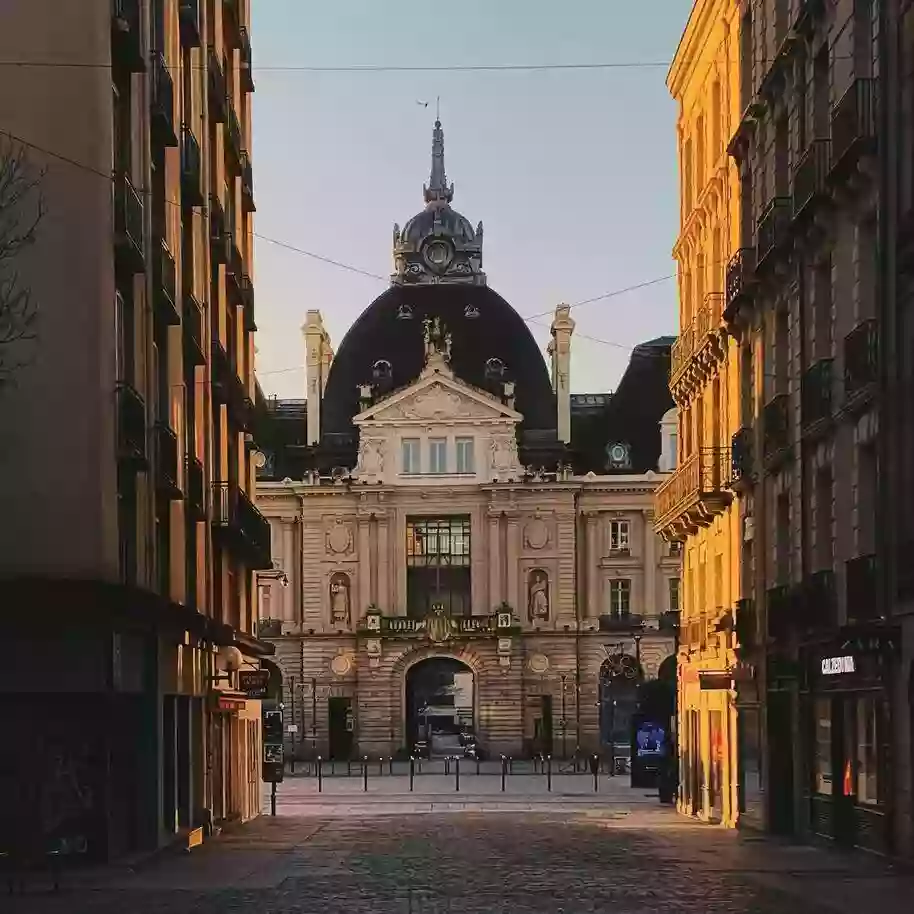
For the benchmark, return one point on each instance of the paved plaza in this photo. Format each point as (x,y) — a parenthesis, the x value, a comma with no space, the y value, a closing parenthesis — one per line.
(480,851)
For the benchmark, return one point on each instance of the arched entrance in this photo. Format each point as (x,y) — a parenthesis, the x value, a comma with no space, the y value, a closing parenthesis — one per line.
(440,704)
(619,679)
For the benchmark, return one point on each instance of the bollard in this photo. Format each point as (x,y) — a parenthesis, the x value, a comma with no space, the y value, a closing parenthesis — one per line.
(348,767)
(536,764)
(412,772)
(390,764)
(292,759)
(273,799)
(510,765)
(549,773)
(612,764)
(477,763)
(320,775)
(365,774)
(333,766)
(380,766)
(447,764)
(504,771)
(457,775)
(595,768)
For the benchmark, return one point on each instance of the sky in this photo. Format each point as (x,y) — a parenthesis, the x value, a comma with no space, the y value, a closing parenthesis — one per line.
(572,172)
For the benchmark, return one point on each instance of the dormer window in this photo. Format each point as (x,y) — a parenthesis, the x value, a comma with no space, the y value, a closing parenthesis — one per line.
(495,369)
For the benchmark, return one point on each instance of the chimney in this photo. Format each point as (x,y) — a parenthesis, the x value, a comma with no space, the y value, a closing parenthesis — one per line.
(317,365)
(562,328)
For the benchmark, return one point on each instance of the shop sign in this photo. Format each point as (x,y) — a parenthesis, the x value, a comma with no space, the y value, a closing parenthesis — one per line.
(230,704)
(715,681)
(254,683)
(831,666)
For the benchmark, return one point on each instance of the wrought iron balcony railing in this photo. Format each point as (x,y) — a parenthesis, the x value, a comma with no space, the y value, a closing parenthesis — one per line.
(776,437)
(244,528)
(616,622)
(129,227)
(189,21)
(162,105)
(247,183)
(218,90)
(193,330)
(131,426)
(247,63)
(810,176)
(740,276)
(862,589)
(773,227)
(861,358)
(682,350)
(247,297)
(195,488)
(166,467)
(780,608)
(816,392)
(745,624)
(818,603)
(127,36)
(234,136)
(165,282)
(191,168)
(854,126)
(741,453)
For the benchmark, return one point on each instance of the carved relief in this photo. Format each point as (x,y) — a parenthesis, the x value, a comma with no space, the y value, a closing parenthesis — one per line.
(539,664)
(503,455)
(536,534)
(371,458)
(437,402)
(339,598)
(538,596)
(341,664)
(339,538)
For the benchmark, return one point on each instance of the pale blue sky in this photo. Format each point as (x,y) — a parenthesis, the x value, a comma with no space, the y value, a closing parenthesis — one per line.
(572,172)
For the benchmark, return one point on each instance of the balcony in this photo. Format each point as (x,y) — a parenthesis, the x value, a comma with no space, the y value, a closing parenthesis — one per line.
(247,184)
(191,169)
(810,178)
(162,106)
(853,128)
(194,488)
(247,298)
(240,526)
(247,64)
(682,351)
(776,428)
(234,137)
(234,268)
(218,102)
(694,494)
(818,603)
(807,13)
(621,622)
(669,621)
(189,21)
(231,19)
(741,458)
(781,604)
(861,361)
(816,393)
(745,623)
(129,227)
(773,228)
(131,427)
(269,628)
(165,287)
(221,370)
(127,36)
(218,233)
(862,589)
(193,330)
(740,277)
(166,477)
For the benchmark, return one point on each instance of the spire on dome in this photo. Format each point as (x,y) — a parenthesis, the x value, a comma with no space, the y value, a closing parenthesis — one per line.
(438,190)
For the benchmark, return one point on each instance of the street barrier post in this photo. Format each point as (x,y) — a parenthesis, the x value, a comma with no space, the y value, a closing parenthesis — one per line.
(320,775)
(365,774)
(549,773)
(457,775)
(412,772)
(595,768)
(273,799)
(504,771)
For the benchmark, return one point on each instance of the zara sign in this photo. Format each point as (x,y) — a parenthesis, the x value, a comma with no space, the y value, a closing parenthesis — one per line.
(833,665)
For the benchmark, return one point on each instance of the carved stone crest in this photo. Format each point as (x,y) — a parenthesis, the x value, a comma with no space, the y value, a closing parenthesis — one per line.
(439,627)
(536,534)
(339,538)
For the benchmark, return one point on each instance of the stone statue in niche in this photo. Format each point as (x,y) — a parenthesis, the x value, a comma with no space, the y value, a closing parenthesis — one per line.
(339,599)
(538,596)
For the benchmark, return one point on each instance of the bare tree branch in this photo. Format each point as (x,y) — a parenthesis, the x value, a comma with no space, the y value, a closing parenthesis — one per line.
(21,210)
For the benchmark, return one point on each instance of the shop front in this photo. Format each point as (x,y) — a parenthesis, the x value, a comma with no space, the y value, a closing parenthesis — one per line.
(848,723)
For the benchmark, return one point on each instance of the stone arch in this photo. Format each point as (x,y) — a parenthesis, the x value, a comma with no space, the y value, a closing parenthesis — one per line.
(462,653)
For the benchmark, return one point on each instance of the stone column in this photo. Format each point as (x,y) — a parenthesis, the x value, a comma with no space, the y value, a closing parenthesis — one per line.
(651,606)
(513,552)
(494,559)
(384,560)
(364,570)
(592,608)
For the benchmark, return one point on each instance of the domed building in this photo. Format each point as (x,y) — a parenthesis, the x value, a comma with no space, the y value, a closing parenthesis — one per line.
(468,547)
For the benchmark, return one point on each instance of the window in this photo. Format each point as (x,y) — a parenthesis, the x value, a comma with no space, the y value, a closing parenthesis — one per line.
(822,767)
(674,595)
(866,763)
(464,455)
(437,455)
(438,566)
(411,461)
(620,598)
(619,531)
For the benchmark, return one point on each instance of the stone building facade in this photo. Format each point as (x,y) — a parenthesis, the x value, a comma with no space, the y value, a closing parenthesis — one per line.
(440,497)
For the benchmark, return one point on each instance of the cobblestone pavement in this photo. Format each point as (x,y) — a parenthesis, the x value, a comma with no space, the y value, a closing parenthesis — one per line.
(621,854)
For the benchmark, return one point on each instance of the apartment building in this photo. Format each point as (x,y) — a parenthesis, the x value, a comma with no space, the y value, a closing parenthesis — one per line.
(129,537)
(696,508)
(805,298)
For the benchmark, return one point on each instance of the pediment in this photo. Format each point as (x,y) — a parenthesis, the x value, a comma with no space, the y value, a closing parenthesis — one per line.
(438,398)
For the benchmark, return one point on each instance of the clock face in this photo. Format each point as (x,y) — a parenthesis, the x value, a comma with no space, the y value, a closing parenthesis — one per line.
(438,254)
(618,452)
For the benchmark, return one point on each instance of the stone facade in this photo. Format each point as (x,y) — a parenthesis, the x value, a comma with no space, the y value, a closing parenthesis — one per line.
(544,549)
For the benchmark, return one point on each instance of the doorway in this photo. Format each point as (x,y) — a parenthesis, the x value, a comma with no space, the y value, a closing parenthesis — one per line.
(780,763)
(542,727)
(341,727)
(619,679)
(440,705)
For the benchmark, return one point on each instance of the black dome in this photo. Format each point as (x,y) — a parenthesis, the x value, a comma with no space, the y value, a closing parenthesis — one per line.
(497,332)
